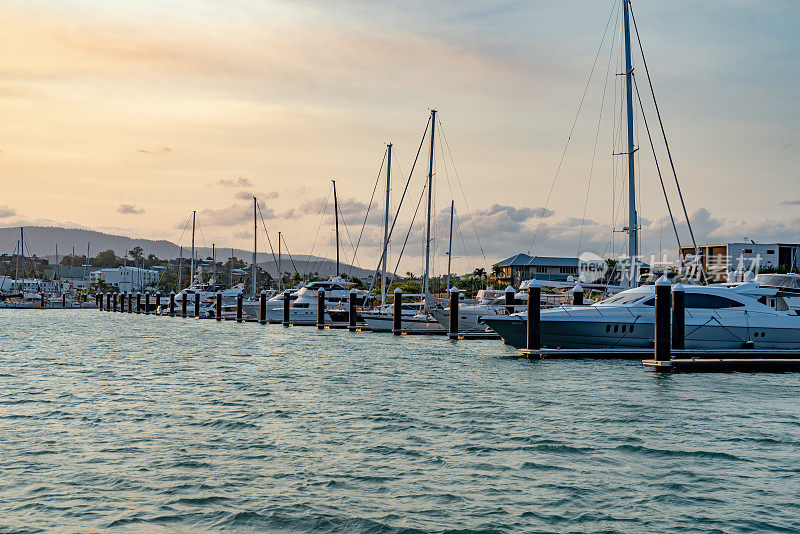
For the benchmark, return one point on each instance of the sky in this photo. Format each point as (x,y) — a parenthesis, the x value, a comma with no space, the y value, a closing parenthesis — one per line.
(125,117)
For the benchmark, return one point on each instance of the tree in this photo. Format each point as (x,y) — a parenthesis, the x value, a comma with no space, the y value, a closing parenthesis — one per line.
(136,253)
(480,273)
(107,258)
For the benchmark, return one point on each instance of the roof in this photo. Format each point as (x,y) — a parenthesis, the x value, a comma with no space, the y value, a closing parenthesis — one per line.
(69,271)
(522,259)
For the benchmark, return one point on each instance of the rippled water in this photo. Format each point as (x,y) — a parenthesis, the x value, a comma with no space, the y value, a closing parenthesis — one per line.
(136,423)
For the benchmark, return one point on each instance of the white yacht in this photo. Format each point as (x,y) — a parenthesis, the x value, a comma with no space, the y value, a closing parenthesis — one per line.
(303,308)
(720,316)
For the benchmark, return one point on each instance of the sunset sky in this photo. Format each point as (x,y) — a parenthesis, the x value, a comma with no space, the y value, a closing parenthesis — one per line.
(126,116)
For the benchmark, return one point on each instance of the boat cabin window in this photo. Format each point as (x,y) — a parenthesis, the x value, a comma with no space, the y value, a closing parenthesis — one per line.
(703,301)
(623,298)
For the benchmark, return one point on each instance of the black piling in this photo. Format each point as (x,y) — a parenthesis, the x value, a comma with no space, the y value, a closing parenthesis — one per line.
(108,301)
(533,339)
(183,304)
(397,318)
(509,300)
(239,307)
(678,317)
(122,302)
(352,312)
(172,304)
(452,331)
(130,302)
(577,295)
(147,303)
(63,300)
(114,301)
(320,309)
(158,301)
(662,320)
(218,310)
(41,300)
(286,307)
(138,302)
(197,304)
(98,301)
(262,311)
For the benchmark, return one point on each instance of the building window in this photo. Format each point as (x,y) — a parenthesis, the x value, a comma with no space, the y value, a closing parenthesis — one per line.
(568,270)
(748,251)
(770,252)
(541,269)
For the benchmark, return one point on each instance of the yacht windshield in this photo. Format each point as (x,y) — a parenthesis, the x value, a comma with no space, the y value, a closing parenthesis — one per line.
(622,299)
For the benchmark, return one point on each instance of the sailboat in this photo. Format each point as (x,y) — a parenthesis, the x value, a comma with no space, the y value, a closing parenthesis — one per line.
(421,321)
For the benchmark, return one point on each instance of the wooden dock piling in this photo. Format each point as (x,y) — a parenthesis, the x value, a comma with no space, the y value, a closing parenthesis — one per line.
(577,295)
(397,318)
(218,306)
(509,294)
(172,304)
(286,307)
(352,312)
(452,331)
(533,334)
(262,307)
(239,307)
(138,302)
(320,309)
(663,339)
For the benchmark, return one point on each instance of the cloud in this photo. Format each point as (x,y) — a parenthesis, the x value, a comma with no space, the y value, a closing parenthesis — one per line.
(240,181)
(129,209)
(795,202)
(233,215)
(158,152)
(6,212)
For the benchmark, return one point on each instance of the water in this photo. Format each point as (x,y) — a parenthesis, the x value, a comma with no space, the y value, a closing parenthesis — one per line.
(143,424)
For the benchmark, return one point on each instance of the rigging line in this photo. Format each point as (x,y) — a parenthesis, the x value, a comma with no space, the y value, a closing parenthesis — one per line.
(347,231)
(410,226)
(658,170)
(571,130)
(283,237)
(272,250)
(663,132)
(596,139)
(371,198)
(319,226)
(463,195)
(405,189)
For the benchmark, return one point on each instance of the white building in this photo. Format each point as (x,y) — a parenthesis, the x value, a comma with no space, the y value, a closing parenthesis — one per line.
(31,285)
(721,258)
(127,278)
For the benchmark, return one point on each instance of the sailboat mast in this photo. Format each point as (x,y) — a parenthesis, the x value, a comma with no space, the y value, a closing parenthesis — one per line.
(280,273)
(428,219)
(255,249)
(336,211)
(633,242)
(214,264)
(180,269)
(450,244)
(191,271)
(86,266)
(385,258)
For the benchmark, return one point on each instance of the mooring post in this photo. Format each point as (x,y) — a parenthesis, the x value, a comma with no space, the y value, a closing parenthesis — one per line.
(452,331)
(41,299)
(286,306)
(320,309)
(130,302)
(171,303)
(122,302)
(114,301)
(183,304)
(108,302)
(262,308)
(147,303)
(138,302)
(98,301)
(351,315)
(63,300)
(197,304)
(239,307)
(397,318)
(577,295)
(678,317)
(533,338)
(158,302)
(218,310)
(509,300)
(662,320)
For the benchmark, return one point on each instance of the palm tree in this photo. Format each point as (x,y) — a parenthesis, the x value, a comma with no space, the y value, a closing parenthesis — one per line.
(480,272)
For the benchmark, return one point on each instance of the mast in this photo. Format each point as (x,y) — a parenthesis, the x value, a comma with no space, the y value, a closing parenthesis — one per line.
(232,259)
(22,253)
(86,266)
(180,269)
(428,220)
(56,270)
(16,269)
(450,244)
(191,270)
(280,274)
(385,257)
(336,211)
(214,264)
(633,243)
(255,249)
